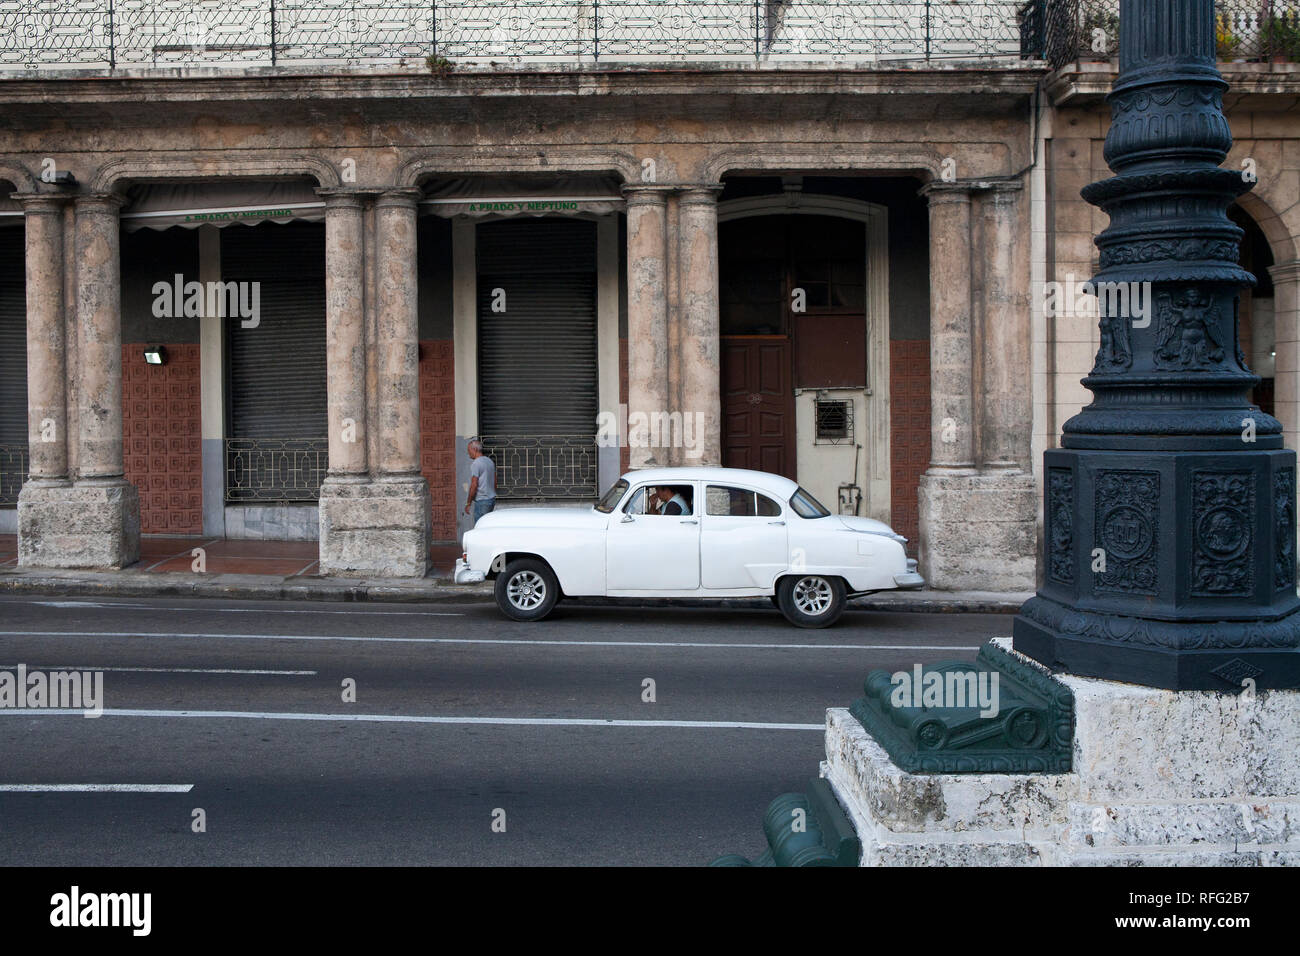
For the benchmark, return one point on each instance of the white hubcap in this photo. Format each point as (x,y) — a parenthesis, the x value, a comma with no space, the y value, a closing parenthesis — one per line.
(526,590)
(812,596)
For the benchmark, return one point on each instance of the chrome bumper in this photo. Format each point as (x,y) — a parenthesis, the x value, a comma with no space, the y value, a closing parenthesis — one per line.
(464,574)
(909,580)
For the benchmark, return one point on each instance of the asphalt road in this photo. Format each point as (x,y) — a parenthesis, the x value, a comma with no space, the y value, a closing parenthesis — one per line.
(461,719)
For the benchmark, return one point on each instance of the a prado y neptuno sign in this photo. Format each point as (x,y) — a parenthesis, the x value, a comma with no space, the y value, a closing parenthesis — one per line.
(562,195)
(190,205)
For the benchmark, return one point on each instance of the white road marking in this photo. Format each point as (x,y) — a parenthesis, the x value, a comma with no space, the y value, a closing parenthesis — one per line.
(480,640)
(421,719)
(146,607)
(159,670)
(96,787)
(232,610)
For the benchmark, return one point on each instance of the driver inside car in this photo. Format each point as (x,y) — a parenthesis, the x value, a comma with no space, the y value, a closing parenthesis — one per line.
(671,502)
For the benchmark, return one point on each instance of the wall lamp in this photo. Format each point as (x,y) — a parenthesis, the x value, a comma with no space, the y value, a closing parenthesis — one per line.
(155,355)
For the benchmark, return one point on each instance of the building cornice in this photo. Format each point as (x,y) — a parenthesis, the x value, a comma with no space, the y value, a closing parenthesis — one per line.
(60,89)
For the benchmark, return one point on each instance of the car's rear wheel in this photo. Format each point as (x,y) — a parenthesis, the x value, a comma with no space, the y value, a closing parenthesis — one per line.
(811,600)
(527,590)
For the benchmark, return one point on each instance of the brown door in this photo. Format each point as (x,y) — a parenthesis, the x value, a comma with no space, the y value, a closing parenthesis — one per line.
(757,404)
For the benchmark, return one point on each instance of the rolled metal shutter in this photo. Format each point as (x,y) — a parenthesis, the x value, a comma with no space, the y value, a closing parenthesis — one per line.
(276,444)
(537,367)
(13,364)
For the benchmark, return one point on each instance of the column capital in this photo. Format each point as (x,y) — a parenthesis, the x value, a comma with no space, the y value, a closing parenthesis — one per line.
(646,194)
(104,202)
(939,192)
(701,193)
(1003,192)
(42,202)
(343,197)
(1285,271)
(405,197)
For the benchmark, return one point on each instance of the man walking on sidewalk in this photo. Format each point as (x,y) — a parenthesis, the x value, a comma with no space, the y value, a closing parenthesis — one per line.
(482,481)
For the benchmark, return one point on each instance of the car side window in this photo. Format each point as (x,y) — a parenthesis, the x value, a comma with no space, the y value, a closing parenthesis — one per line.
(647,500)
(723,501)
(636,503)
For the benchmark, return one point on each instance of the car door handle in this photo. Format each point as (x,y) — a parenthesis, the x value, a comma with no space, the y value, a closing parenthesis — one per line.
(779,524)
(690,521)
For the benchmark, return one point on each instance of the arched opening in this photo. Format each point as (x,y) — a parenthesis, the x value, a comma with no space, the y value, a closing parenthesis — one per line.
(819,359)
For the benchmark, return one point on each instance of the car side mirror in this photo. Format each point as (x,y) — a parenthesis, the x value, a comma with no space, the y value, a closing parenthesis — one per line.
(627,519)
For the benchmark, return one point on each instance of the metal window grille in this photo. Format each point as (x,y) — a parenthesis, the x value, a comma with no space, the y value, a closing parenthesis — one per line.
(834,422)
(543,466)
(275,469)
(13,472)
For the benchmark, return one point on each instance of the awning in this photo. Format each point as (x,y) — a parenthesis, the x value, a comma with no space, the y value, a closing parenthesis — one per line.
(565,195)
(248,202)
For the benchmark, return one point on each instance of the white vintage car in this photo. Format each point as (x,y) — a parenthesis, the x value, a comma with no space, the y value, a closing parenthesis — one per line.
(688,532)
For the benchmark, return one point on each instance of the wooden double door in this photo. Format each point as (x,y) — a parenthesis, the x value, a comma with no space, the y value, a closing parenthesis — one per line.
(758,404)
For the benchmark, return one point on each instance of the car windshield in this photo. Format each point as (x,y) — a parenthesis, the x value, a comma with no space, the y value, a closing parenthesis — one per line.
(806,506)
(609,501)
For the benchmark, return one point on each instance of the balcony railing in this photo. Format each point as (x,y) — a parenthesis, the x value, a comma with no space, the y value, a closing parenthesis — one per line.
(264,470)
(1063,31)
(13,472)
(543,466)
(111,35)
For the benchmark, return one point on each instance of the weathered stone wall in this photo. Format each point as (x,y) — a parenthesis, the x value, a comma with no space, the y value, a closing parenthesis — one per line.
(366,139)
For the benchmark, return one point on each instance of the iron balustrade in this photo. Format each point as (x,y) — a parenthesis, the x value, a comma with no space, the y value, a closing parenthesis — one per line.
(543,466)
(134,34)
(13,472)
(1063,31)
(275,469)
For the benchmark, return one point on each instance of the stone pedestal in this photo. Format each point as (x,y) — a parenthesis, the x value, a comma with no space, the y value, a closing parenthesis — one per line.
(374,528)
(978,531)
(1164,778)
(94,523)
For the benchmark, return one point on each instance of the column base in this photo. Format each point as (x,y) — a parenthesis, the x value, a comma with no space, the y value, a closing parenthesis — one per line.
(86,525)
(375,527)
(1159,778)
(978,531)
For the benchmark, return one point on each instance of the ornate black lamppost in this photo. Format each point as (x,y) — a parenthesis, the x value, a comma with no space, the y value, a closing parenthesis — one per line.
(1169,512)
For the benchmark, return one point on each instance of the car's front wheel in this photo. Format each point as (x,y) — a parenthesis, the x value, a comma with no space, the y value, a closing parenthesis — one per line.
(810,600)
(527,590)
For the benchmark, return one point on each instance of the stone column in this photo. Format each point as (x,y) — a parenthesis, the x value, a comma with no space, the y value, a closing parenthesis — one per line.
(978,527)
(47,393)
(345,335)
(95,522)
(1286,325)
(99,336)
(952,432)
(700,401)
(1006,412)
(647,317)
(374,514)
(399,334)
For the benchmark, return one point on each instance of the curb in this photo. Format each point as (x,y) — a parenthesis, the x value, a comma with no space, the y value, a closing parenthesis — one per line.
(235,587)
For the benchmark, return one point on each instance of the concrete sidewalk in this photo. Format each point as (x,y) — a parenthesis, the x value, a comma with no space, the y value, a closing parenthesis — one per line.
(262,587)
